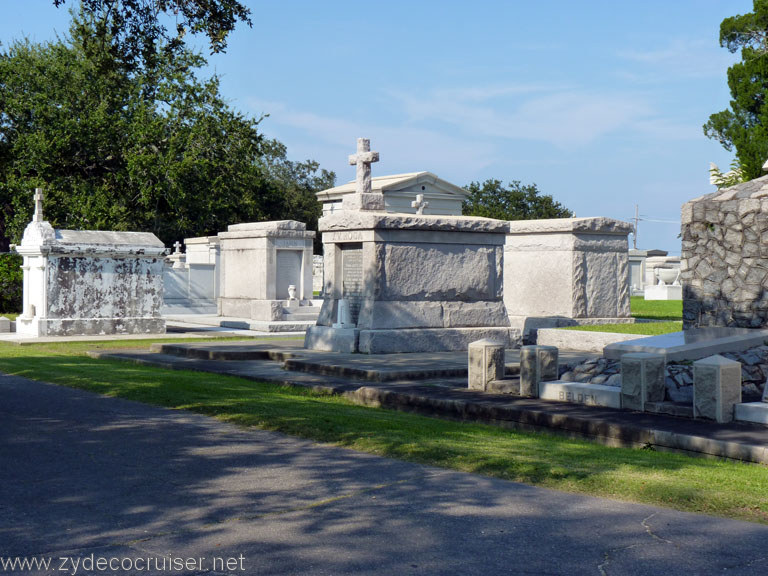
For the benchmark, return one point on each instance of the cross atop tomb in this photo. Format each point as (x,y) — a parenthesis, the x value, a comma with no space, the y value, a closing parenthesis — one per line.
(177,246)
(419,204)
(363,160)
(38,217)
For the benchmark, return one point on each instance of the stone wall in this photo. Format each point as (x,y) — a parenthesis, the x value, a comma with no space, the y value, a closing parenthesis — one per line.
(725,257)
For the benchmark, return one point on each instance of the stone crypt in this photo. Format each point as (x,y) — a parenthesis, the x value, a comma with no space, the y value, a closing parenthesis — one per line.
(265,265)
(408,283)
(80,282)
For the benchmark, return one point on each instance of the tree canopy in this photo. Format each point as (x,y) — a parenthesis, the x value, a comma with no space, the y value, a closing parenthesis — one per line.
(136,27)
(744,126)
(153,148)
(492,199)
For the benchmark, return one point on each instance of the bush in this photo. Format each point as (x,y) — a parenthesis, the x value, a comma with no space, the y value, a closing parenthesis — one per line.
(11,278)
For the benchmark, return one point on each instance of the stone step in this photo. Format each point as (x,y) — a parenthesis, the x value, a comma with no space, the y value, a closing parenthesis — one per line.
(219,352)
(371,373)
(201,309)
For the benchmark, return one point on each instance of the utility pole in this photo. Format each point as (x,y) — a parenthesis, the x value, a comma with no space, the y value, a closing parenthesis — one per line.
(634,232)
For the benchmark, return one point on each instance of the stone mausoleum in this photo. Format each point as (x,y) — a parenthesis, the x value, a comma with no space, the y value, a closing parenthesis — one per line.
(263,266)
(408,282)
(724,262)
(82,282)
(564,271)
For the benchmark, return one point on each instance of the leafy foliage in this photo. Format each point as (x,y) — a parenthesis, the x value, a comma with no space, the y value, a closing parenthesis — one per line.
(514,202)
(136,27)
(156,149)
(744,127)
(11,277)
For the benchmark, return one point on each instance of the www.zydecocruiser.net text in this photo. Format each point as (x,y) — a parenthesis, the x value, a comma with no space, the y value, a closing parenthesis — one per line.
(92,564)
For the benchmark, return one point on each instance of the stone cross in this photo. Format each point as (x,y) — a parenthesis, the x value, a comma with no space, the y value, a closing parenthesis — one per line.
(363,160)
(38,217)
(419,204)
(177,246)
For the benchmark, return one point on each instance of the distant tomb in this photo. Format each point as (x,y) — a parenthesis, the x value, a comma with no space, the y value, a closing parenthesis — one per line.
(401,192)
(265,266)
(85,282)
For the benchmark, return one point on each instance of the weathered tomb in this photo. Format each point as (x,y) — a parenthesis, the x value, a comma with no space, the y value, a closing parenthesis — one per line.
(265,267)
(724,264)
(566,270)
(408,283)
(83,282)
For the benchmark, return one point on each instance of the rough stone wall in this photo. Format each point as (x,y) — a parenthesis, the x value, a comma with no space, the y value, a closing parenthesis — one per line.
(724,264)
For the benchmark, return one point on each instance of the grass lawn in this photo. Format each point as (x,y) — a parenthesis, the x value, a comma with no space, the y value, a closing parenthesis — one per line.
(668,313)
(642,328)
(656,309)
(9,315)
(729,489)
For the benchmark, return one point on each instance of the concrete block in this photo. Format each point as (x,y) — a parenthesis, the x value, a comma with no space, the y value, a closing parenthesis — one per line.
(331,339)
(581,393)
(755,412)
(642,380)
(5,325)
(716,388)
(486,363)
(537,364)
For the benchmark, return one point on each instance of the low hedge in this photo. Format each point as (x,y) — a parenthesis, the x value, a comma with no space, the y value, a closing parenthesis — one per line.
(11,278)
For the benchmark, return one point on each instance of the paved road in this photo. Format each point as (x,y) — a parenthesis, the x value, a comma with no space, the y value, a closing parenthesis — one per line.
(84,475)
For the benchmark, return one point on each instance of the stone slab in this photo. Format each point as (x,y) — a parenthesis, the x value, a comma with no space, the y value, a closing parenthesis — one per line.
(581,393)
(582,340)
(449,398)
(5,325)
(432,340)
(690,344)
(756,412)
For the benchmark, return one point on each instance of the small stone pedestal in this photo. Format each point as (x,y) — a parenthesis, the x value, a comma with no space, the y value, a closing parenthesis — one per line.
(716,388)
(663,292)
(642,380)
(537,364)
(486,363)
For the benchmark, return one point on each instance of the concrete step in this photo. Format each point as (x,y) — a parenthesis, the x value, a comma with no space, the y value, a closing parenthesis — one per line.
(220,352)
(201,309)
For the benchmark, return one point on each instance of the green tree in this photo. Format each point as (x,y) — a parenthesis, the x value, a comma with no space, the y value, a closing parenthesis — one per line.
(492,199)
(744,127)
(121,148)
(136,27)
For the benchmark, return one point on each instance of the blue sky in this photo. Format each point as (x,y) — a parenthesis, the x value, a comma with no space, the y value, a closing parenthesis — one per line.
(599,103)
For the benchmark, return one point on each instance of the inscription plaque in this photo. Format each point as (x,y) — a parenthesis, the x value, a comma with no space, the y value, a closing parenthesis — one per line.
(288,272)
(352,277)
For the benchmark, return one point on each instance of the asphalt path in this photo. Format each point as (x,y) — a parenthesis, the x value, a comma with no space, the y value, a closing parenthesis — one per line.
(106,486)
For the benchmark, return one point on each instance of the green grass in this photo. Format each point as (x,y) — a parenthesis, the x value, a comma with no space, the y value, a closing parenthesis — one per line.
(729,489)
(667,316)
(642,328)
(11,316)
(656,309)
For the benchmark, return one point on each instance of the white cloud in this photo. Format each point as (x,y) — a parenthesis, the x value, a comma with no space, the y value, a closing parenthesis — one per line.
(681,59)
(563,117)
